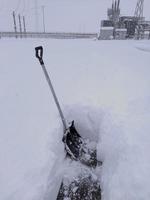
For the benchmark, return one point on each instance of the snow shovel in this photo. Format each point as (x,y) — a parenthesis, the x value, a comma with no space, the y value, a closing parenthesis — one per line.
(83,186)
(76,148)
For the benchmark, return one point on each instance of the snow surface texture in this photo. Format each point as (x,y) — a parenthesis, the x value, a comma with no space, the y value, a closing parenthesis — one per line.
(103,86)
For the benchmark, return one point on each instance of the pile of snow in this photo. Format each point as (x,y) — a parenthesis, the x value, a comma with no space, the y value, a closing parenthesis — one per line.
(143,46)
(103,86)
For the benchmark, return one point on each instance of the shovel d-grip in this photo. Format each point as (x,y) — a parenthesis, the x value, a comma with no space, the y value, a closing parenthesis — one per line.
(39,54)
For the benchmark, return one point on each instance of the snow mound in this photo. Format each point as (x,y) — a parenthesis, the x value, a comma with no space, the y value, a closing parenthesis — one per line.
(87,122)
(99,126)
(143,46)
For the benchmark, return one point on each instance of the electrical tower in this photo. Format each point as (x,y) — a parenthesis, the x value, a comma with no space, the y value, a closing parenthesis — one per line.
(139,9)
(114,12)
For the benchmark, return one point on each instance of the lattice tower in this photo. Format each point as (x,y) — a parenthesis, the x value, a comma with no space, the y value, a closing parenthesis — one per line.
(139,9)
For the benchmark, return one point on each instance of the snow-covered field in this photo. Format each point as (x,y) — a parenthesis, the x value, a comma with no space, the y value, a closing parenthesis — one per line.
(104,86)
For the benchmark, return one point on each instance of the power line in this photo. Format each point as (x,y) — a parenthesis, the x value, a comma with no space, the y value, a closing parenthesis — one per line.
(18,5)
(2,6)
(43,14)
(5,7)
(27,5)
(24,6)
(36,16)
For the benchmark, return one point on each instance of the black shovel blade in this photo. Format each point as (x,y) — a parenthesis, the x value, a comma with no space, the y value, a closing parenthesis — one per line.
(73,142)
(83,186)
(77,148)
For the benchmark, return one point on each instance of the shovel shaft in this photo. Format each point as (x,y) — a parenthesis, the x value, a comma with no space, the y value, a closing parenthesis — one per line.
(54,95)
(39,55)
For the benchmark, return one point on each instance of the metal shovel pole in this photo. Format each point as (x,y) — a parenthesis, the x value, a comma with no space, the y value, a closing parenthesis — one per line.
(39,55)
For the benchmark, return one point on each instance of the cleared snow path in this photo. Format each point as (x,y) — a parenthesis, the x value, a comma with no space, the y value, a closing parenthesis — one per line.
(103,86)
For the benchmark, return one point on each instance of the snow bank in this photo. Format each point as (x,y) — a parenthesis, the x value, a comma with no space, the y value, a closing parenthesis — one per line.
(87,122)
(143,46)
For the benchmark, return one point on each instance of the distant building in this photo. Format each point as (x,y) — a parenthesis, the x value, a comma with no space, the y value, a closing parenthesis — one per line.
(106,33)
(130,23)
(122,27)
(120,34)
(147,35)
(106,23)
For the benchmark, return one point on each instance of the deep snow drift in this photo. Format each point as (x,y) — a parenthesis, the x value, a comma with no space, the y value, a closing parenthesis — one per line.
(103,86)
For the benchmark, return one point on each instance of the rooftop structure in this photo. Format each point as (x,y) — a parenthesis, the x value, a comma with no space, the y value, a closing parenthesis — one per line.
(135,25)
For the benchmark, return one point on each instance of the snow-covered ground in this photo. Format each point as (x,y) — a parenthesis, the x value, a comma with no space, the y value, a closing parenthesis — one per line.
(104,86)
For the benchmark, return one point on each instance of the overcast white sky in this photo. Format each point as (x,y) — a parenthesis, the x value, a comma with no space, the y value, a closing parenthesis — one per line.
(64,15)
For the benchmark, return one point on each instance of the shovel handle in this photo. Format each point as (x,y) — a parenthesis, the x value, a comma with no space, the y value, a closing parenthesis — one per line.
(39,54)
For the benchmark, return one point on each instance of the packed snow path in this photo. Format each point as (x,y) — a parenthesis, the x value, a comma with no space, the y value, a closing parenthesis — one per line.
(104,86)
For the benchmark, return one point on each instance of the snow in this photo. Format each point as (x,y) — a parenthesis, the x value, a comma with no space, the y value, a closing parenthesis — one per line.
(143,46)
(121,29)
(103,86)
(107,28)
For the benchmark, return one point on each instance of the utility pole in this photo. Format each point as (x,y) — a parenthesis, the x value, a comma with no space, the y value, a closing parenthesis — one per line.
(36,16)
(15,26)
(43,13)
(20,25)
(24,25)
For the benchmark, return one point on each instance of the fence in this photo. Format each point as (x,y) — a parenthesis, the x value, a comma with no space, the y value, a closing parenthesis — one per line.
(55,35)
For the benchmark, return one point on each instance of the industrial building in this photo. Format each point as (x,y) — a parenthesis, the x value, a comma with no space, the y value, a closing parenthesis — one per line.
(121,27)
